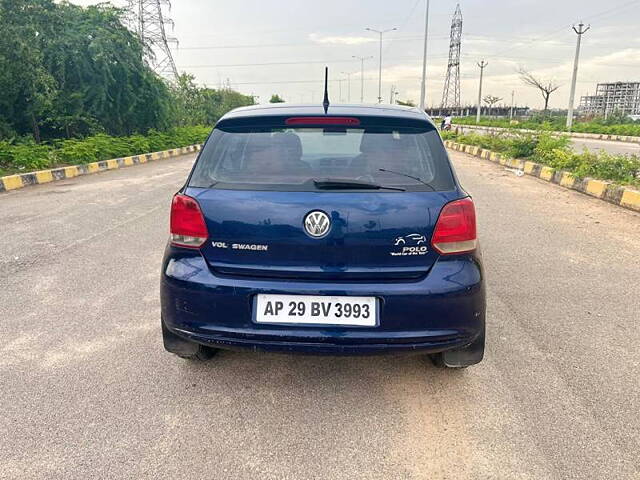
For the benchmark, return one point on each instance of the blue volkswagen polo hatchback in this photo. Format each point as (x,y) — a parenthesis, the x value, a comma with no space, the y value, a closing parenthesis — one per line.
(345,232)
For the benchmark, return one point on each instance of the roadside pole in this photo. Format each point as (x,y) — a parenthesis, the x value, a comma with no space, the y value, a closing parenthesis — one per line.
(380,32)
(513,94)
(348,75)
(423,88)
(362,59)
(581,30)
(481,64)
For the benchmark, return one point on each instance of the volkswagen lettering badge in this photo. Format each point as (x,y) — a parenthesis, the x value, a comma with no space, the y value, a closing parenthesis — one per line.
(317,224)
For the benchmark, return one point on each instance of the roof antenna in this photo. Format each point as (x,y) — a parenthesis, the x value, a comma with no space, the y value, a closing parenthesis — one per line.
(325,102)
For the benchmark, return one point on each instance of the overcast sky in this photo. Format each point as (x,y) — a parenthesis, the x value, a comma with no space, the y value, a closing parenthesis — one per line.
(243,41)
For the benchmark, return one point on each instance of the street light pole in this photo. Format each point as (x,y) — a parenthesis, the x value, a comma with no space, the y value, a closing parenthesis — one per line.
(392,97)
(380,32)
(348,75)
(362,59)
(581,30)
(481,64)
(380,72)
(423,89)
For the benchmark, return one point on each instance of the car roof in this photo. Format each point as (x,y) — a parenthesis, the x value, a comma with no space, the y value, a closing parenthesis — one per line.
(360,110)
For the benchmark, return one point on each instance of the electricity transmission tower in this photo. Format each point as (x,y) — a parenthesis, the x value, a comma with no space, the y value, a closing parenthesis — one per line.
(148,21)
(451,93)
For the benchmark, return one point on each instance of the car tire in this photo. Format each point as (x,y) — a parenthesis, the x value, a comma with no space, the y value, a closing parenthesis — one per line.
(437,359)
(463,357)
(201,355)
(184,348)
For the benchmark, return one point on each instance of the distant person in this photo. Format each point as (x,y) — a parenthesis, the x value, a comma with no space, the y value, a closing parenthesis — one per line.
(447,122)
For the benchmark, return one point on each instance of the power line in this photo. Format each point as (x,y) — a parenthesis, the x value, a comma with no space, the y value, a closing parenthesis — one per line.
(619,7)
(564,28)
(393,39)
(285,82)
(298,62)
(266,64)
(295,44)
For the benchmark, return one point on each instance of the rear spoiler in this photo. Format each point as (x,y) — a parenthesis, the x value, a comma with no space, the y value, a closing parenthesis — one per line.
(352,121)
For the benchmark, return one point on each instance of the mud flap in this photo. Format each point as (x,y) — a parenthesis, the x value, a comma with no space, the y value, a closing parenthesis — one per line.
(178,345)
(464,357)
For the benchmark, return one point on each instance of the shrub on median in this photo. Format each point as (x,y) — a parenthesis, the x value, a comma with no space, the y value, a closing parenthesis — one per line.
(516,146)
(521,146)
(548,147)
(618,168)
(597,126)
(448,135)
(497,143)
(555,151)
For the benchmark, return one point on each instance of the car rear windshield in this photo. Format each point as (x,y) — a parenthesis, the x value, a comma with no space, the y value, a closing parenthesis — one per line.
(304,159)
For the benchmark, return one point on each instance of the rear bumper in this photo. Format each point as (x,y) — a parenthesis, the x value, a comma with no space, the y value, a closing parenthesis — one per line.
(443,311)
(241,340)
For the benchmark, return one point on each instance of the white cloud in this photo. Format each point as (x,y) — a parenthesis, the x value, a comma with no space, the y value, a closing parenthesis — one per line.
(623,57)
(340,40)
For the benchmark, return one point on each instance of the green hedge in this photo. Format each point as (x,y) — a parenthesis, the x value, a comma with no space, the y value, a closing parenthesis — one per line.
(25,157)
(626,129)
(555,151)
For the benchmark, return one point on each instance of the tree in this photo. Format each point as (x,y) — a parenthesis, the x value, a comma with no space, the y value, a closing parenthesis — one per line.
(26,88)
(66,70)
(188,101)
(275,98)
(546,87)
(406,103)
(71,71)
(98,66)
(201,105)
(219,102)
(491,100)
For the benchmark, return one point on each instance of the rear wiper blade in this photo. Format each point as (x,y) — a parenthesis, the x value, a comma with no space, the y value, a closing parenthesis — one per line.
(418,179)
(345,184)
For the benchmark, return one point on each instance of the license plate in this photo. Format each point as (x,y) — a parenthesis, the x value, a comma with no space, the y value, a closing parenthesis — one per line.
(316,310)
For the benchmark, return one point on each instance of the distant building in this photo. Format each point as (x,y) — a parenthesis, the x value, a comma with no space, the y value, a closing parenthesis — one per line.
(470,111)
(623,97)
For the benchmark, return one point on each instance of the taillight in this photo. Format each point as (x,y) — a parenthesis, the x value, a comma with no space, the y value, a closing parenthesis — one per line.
(455,230)
(187,223)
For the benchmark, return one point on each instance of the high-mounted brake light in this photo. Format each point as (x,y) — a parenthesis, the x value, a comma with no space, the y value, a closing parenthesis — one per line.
(188,228)
(455,230)
(349,121)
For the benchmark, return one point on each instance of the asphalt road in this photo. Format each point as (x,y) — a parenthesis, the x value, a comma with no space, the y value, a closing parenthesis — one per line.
(594,145)
(617,148)
(87,391)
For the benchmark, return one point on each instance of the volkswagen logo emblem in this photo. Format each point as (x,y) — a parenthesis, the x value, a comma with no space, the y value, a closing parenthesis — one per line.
(317,224)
